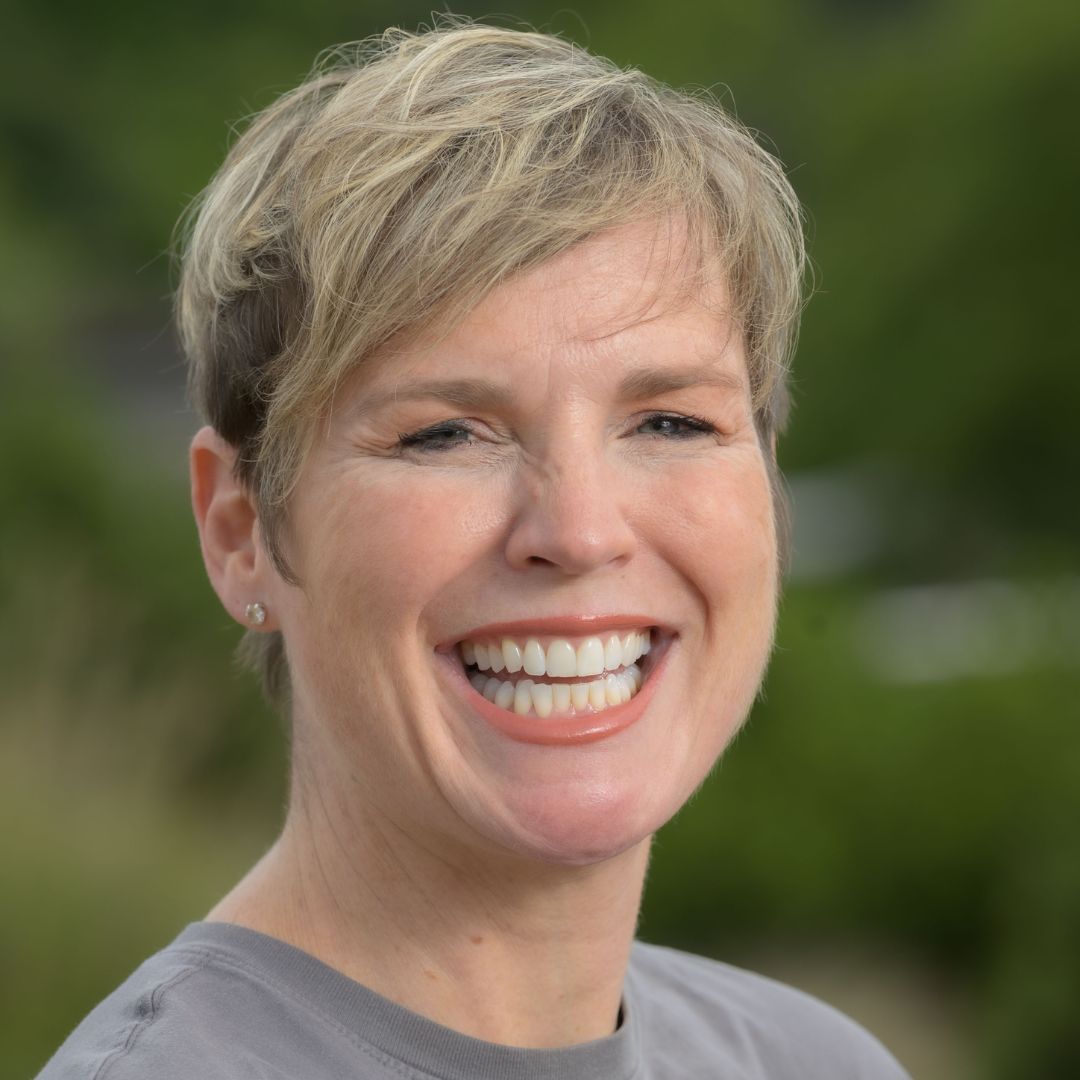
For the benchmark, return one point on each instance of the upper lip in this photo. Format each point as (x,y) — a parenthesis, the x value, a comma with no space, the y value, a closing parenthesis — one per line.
(568,625)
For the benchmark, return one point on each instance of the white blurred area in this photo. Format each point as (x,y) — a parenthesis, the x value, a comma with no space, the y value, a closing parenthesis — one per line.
(938,633)
(837,527)
(932,632)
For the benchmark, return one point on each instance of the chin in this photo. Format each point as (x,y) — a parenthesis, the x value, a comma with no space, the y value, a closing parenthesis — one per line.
(572,825)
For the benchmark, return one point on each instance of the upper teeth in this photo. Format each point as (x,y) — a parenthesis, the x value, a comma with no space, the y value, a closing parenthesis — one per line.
(561,658)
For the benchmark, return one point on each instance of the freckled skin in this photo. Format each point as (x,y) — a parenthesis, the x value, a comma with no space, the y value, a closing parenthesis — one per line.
(560,503)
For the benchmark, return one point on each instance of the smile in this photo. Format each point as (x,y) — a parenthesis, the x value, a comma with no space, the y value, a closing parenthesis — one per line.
(560,681)
(572,676)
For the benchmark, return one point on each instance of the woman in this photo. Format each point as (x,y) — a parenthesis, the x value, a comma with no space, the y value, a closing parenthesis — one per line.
(491,338)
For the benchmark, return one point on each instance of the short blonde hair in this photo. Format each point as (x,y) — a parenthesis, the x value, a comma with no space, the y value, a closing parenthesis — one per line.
(410,175)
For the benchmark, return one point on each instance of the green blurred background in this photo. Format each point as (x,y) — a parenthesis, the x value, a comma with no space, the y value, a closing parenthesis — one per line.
(897,828)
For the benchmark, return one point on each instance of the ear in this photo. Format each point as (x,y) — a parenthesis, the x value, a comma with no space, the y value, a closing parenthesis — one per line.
(228,523)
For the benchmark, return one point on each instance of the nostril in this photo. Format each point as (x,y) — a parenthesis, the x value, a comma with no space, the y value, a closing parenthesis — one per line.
(574,537)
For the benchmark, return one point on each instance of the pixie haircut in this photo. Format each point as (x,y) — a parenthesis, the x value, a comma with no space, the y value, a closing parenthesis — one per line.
(410,175)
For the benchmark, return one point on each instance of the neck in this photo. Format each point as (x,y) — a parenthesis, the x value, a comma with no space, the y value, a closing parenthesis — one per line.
(504,950)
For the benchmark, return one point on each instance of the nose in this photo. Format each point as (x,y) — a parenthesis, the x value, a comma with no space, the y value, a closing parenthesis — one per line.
(571,514)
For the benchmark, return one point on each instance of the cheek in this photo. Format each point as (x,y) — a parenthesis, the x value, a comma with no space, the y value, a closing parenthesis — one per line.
(723,543)
(371,559)
(716,525)
(386,548)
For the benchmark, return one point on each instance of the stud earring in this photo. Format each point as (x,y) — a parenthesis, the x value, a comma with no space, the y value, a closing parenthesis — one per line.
(255,613)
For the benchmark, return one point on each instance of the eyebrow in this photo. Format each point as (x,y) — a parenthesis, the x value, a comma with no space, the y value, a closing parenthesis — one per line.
(484,393)
(651,382)
(466,393)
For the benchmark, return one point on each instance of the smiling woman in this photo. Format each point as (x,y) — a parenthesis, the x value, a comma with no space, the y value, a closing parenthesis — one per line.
(490,337)
(558,513)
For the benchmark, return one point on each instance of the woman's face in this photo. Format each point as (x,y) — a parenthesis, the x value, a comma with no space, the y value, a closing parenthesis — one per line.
(575,460)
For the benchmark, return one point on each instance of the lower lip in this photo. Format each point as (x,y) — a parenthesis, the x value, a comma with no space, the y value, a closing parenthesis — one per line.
(565,731)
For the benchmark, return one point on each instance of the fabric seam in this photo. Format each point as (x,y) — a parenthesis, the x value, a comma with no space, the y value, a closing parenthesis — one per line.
(143,1023)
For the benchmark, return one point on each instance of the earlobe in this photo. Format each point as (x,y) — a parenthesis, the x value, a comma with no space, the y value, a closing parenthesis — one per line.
(228,526)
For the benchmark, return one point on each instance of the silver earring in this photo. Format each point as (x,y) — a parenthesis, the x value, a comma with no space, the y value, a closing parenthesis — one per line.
(255,613)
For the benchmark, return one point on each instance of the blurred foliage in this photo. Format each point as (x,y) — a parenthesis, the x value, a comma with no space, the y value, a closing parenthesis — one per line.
(931,144)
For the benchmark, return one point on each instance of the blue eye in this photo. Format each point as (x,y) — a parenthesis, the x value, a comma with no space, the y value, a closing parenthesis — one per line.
(439,438)
(451,434)
(677,426)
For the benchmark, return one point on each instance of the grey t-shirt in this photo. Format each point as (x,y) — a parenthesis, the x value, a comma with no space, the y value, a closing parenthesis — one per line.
(226,1003)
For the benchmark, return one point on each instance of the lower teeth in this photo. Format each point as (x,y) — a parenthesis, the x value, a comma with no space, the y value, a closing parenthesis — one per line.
(529,698)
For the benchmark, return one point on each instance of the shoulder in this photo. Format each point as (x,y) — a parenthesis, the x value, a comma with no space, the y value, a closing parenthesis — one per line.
(761,1026)
(115,1032)
(185,1013)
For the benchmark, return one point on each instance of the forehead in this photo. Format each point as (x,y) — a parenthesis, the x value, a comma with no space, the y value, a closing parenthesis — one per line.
(610,283)
(633,297)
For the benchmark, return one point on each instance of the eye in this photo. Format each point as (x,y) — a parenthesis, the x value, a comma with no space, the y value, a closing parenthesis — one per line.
(437,439)
(676,426)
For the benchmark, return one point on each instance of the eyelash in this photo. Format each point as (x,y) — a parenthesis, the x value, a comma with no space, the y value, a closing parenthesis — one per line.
(424,440)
